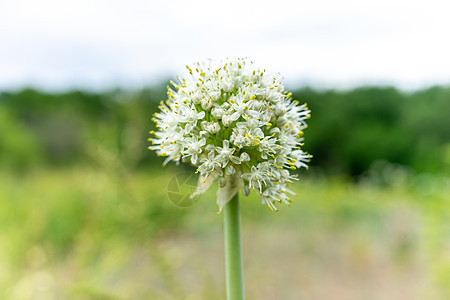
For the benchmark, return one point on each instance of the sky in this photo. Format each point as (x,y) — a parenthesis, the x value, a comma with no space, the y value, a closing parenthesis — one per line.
(57,45)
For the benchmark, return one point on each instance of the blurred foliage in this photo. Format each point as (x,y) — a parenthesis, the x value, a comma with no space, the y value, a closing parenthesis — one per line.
(349,130)
(85,215)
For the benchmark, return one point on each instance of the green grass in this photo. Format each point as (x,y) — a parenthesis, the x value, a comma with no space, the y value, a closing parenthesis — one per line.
(92,234)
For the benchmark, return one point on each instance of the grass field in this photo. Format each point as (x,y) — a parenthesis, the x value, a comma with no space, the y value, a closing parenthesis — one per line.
(85,233)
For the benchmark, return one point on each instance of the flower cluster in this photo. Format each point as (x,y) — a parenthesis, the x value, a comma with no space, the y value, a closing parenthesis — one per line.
(233,119)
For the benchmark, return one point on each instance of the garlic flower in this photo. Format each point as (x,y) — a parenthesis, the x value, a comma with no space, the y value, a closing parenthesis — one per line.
(233,120)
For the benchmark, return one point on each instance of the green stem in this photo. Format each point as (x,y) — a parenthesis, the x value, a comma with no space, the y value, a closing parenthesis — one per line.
(233,250)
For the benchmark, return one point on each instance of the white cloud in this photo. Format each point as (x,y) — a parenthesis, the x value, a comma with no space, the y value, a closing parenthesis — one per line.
(59,44)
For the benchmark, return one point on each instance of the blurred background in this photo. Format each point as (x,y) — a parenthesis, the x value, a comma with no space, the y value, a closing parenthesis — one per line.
(84,209)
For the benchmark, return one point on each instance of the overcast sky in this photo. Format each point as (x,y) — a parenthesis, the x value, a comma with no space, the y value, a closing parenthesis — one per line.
(59,44)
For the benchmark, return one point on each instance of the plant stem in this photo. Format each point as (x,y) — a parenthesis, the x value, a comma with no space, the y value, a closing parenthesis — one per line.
(233,250)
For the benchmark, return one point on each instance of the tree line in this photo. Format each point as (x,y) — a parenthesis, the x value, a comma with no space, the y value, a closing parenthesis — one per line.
(348,131)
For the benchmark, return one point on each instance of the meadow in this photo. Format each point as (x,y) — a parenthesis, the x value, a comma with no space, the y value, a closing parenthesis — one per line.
(86,233)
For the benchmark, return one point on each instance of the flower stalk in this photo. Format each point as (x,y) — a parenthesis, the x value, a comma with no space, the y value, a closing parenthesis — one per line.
(233,250)
(236,123)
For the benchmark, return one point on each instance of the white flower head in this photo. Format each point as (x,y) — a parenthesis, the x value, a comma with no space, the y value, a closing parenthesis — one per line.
(233,119)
